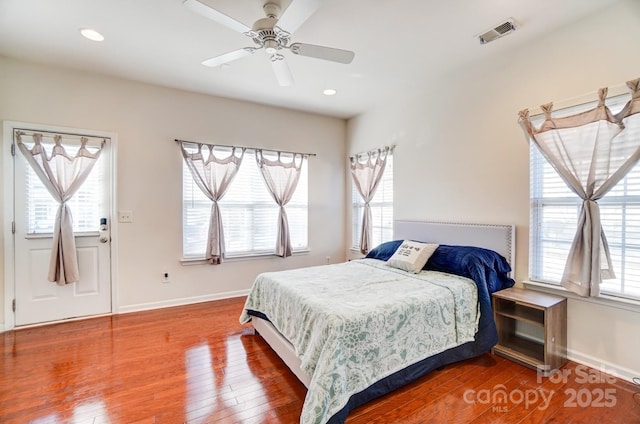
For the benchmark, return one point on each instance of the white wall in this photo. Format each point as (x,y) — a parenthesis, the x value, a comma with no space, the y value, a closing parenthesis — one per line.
(461,155)
(147,119)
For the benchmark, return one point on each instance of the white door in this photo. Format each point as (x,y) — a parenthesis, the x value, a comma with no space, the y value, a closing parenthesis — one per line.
(37,299)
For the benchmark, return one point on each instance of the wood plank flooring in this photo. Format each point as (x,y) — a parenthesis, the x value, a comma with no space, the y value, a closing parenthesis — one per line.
(197,364)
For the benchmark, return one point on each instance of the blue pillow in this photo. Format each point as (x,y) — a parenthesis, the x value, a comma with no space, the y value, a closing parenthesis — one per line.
(385,250)
(479,264)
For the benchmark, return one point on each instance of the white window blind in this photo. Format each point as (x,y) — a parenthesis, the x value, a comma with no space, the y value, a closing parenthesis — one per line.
(249,213)
(41,207)
(554,214)
(381,210)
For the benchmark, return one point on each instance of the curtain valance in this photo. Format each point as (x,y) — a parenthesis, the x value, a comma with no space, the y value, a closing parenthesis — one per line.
(246,148)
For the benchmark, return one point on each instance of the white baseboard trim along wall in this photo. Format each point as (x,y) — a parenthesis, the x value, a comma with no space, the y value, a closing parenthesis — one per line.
(181,301)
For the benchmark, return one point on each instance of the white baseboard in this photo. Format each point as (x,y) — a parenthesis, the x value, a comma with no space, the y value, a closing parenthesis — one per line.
(180,302)
(598,364)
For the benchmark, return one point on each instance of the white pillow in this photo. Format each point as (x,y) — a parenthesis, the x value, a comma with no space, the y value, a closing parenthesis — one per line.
(412,255)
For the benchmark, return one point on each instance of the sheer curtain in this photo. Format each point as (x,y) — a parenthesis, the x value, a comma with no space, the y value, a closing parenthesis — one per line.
(281,178)
(62,174)
(214,176)
(591,151)
(367,170)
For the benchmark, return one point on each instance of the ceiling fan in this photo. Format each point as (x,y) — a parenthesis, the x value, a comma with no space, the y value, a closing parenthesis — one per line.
(272,34)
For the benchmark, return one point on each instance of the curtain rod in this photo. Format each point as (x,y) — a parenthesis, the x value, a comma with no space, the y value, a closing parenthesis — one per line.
(26,131)
(357,155)
(244,147)
(584,99)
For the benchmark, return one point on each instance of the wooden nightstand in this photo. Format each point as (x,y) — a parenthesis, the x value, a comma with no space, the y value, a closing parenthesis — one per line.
(540,310)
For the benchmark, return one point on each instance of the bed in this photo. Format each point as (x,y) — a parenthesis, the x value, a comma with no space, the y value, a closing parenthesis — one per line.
(350,335)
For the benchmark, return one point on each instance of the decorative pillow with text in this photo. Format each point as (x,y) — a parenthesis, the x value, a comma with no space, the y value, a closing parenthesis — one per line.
(411,256)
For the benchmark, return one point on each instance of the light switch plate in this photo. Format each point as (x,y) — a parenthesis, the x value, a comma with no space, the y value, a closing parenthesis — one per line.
(125,216)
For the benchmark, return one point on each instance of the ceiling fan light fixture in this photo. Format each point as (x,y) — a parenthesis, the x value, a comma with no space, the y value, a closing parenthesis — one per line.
(330,92)
(271,46)
(91,34)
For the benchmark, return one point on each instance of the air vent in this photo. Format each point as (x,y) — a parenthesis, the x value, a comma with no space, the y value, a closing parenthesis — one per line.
(498,31)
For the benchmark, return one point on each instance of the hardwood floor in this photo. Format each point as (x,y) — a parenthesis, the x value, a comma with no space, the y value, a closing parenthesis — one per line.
(197,364)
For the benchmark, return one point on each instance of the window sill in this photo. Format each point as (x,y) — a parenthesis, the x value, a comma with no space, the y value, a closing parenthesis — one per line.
(35,236)
(202,261)
(603,300)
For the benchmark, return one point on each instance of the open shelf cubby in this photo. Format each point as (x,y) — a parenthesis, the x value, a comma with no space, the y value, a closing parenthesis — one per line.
(515,306)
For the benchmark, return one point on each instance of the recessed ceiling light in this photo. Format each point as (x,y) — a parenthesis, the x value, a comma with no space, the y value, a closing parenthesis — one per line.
(329,92)
(91,34)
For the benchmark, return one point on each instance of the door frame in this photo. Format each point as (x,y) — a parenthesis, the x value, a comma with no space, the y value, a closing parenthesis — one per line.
(8,211)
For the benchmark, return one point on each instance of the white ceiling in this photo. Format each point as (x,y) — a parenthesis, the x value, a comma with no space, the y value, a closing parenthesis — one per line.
(398,45)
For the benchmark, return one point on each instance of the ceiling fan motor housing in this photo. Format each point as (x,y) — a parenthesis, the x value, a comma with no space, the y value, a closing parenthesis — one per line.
(265,36)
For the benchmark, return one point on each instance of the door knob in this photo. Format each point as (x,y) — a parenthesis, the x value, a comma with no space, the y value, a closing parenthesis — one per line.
(104,231)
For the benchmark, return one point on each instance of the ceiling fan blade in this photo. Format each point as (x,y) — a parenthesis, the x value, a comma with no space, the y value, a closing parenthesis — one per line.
(297,13)
(321,52)
(216,16)
(281,70)
(228,57)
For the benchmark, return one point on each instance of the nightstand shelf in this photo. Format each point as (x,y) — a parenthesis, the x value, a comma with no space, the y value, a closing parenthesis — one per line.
(545,312)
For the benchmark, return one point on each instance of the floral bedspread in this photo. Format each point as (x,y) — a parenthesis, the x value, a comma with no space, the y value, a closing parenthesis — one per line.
(355,323)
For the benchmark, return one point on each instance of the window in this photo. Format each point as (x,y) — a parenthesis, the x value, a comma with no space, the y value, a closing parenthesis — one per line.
(249,214)
(41,207)
(554,214)
(381,210)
